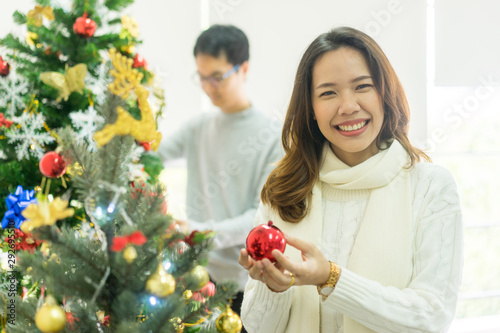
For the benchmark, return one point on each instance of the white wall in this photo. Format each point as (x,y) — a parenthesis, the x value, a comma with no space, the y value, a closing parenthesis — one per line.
(279,31)
(467,42)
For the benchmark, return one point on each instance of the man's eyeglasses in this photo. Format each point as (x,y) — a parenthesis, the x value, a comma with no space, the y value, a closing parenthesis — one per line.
(215,80)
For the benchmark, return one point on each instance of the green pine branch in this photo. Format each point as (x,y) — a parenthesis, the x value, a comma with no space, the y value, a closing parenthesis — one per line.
(77,267)
(118,5)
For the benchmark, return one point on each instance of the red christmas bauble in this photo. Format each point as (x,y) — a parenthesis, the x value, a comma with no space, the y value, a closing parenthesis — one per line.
(4,67)
(263,239)
(139,61)
(52,165)
(84,26)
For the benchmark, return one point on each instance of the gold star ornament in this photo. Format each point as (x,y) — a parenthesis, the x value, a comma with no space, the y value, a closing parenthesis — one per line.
(35,16)
(45,213)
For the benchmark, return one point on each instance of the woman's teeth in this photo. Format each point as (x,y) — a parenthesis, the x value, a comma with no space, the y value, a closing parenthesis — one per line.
(352,128)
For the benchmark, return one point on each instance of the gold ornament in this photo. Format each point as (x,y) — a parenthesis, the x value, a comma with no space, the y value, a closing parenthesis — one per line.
(160,283)
(131,25)
(45,249)
(45,213)
(228,322)
(126,77)
(187,294)
(33,107)
(130,254)
(201,276)
(50,317)
(35,16)
(100,316)
(55,257)
(143,130)
(32,38)
(71,81)
(178,324)
(74,169)
(128,49)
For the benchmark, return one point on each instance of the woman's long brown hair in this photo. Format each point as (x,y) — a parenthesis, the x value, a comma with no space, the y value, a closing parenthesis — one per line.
(289,187)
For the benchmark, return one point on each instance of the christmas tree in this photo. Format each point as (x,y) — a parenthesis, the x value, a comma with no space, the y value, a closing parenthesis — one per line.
(55,76)
(89,244)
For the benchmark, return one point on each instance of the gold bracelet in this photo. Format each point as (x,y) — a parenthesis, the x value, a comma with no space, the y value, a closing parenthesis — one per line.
(326,288)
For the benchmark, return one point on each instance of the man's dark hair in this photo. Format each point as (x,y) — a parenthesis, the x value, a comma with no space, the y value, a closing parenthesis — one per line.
(223,39)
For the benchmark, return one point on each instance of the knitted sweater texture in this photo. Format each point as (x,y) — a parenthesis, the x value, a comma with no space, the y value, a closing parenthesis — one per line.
(426,304)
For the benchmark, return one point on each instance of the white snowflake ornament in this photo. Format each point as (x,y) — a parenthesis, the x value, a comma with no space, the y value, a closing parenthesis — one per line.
(12,88)
(86,124)
(30,137)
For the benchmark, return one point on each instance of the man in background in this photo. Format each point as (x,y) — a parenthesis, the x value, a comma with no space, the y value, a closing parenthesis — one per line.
(229,153)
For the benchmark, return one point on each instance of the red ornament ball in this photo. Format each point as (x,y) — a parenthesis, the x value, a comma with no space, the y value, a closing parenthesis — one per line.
(52,165)
(139,61)
(84,26)
(263,239)
(4,67)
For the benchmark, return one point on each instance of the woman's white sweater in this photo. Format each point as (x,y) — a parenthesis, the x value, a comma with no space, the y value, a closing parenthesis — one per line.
(427,304)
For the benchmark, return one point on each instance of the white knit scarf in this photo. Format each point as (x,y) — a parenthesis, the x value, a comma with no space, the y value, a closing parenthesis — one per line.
(382,249)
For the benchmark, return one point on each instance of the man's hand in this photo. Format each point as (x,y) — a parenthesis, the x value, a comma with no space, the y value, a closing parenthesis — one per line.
(182,226)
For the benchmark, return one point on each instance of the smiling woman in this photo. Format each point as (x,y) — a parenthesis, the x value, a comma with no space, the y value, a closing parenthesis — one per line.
(374,233)
(347,106)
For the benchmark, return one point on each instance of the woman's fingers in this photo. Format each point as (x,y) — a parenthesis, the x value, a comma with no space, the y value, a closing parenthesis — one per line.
(276,278)
(312,268)
(279,266)
(245,260)
(255,272)
(283,262)
(272,275)
(274,285)
(254,268)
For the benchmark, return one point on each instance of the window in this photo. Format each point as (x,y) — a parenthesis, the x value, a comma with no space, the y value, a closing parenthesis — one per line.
(464,136)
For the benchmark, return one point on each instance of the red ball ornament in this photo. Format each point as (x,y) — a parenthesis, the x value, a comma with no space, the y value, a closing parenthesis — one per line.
(84,26)
(4,67)
(263,239)
(52,165)
(139,61)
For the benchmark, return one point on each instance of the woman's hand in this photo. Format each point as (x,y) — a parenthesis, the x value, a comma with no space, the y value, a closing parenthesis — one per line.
(313,270)
(258,270)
